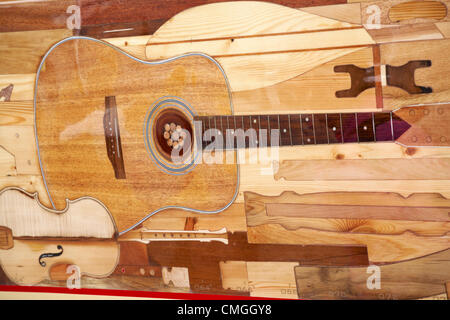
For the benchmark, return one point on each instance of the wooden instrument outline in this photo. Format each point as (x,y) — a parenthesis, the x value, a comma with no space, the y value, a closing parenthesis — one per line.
(49,251)
(182,207)
(41,65)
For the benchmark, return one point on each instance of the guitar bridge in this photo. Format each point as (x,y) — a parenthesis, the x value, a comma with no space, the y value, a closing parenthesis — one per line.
(112,137)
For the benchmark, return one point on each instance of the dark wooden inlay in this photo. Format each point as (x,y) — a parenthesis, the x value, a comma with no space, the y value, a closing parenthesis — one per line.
(285,131)
(349,127)
(334,128)
(320,128)
(307,129)
(296,131)
(274,127)
(383,129)
(112,137)
(365,127)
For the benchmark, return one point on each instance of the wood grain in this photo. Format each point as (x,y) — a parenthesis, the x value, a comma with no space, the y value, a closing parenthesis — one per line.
(348,12)
(310,91)
(146,18)
(203,259)
(16,113)
(197,79)
(27,217)
(433,10)
(429,273)
(22,51)
(381,248)
(23,85)
(382,169)
(397,54)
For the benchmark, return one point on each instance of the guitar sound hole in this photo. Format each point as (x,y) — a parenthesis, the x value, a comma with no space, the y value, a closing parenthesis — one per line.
(173,130)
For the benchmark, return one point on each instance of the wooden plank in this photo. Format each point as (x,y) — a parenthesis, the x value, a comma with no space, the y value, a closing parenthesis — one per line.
(34,15)
(16,113)
(397,54)
(252,72)
(379,169)
(19,141)
(239,19)
(272,279)
(415,12)
(23,85)
(381,248)
(202,259)
(266,44)
(405,33)
(22,51)
(234,275)
(444,28)
(310,91)
(7,163)
(233,219)
(145,18)
(414,279)
(348,12)
(433,10)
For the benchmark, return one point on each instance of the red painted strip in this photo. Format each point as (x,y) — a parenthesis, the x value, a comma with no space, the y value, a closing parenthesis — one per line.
(128,293)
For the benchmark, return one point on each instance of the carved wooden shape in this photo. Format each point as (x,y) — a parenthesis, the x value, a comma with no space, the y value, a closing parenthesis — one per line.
(434,10)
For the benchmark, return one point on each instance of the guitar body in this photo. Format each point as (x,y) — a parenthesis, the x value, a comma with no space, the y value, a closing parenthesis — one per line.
(75,83)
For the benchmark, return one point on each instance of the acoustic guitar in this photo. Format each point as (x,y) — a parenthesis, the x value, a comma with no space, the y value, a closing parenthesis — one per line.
(108,125)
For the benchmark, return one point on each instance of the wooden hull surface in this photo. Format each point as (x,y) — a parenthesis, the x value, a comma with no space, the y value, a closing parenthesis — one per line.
(74,79)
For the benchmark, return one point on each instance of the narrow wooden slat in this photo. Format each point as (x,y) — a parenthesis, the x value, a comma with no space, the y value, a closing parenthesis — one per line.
(369,169)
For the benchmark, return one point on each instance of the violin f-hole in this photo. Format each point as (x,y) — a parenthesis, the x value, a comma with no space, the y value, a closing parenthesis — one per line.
(50,255)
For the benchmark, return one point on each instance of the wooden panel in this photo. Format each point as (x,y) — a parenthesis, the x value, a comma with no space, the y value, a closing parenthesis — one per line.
(34,15)
(352,218)
(349,12)
(7,163)
(23,85)
(397,54)
(202,259)
(145,18)
(405,33)
(381,248)
(429,125)
(21,52)
(19,141)
(383,169)
(310,91)
(434,10)
(234,275)
(16,113)
(272,279)
(429,273)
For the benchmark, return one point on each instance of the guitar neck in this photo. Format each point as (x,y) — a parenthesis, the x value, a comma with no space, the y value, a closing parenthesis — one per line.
(302,129)
(146,236)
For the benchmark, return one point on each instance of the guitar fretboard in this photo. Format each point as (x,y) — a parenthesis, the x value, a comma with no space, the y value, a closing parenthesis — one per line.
(302,129)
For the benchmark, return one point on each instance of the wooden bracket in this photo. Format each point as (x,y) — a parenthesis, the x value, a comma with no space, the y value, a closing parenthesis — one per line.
(401,77)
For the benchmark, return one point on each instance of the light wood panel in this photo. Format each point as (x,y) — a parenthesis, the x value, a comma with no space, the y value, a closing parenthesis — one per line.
(26,216)
(7,163)
(398,54)
(16,113)
(348,12)
(310,91)
(23,85)
(272,279)
(433,10)
(382,169)
(22,51)
(411,279)
(234,275)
